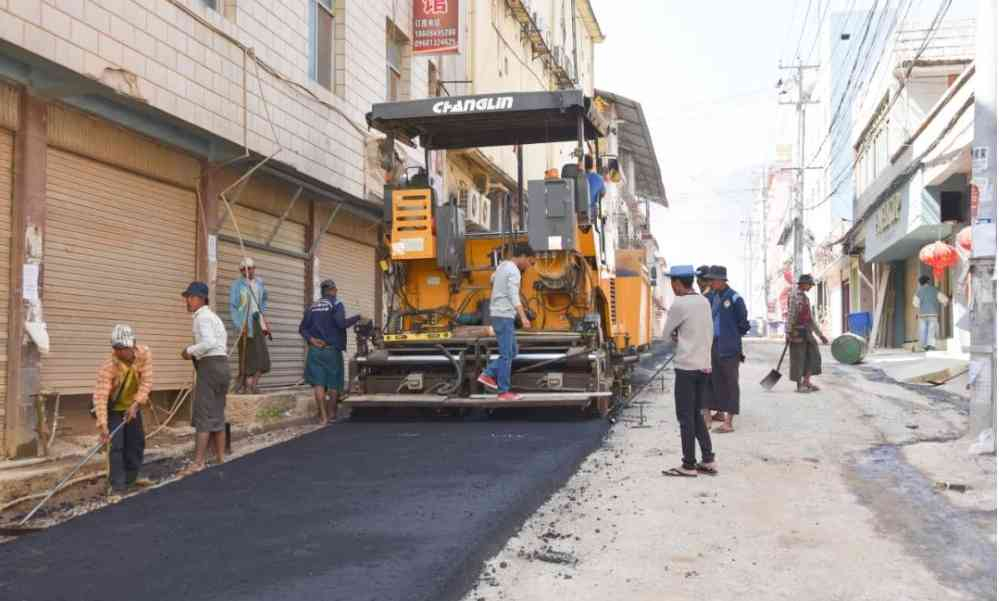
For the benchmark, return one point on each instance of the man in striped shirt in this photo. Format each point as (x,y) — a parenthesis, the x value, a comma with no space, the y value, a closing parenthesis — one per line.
(124,381)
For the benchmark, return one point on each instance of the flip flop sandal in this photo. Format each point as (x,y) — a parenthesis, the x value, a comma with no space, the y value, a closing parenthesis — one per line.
(707,469)
(813,388)
(723,430)
(675,472)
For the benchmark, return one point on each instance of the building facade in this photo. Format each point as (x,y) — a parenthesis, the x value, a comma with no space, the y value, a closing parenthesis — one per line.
(913,167)
(146,144)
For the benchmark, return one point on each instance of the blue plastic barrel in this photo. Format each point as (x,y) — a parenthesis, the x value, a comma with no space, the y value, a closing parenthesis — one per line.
(860,323)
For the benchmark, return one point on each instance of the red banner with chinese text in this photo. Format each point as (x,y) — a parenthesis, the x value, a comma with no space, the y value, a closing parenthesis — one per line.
(435,26)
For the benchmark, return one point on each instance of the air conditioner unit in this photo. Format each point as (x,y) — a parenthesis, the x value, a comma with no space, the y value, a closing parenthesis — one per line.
(477,215)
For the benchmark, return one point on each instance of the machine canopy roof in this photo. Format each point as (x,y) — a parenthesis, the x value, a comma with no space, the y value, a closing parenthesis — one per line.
(507,119)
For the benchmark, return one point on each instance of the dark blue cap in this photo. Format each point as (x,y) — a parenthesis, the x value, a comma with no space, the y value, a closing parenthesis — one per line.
(717,272)
(196,289)
(681,271)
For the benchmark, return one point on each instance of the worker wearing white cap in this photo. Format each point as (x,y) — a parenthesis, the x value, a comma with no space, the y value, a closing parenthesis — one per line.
(124,381)
(247,306)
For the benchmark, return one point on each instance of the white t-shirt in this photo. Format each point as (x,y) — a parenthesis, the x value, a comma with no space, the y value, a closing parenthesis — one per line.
(690,318)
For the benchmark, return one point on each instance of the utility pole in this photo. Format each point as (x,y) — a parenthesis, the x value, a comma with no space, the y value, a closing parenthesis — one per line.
(800,103)
(982,368)
(765,235)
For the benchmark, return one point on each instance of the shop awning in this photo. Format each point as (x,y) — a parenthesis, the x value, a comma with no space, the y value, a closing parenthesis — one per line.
(634,138)
(489,119)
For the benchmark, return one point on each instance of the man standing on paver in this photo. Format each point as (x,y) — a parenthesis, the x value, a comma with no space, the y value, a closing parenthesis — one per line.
(927,302)
(124,381)
(504,307)
(597,187)
(731,323)
(324,328)
(689,323)
(806,360)
(211,365)
(247,306)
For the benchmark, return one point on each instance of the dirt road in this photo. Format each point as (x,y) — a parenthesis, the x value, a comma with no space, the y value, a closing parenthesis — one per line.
(825,496)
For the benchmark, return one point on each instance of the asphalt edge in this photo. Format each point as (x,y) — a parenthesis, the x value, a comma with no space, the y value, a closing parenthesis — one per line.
(467,574)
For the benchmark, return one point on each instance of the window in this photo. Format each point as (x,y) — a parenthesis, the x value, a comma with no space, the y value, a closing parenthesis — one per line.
(393,64)
(212,4)
(321,42)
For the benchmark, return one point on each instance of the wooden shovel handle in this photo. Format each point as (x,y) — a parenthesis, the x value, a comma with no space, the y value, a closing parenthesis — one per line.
(781,360)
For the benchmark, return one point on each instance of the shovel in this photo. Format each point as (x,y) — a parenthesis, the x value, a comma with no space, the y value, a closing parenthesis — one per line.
(20,528)
(774,376)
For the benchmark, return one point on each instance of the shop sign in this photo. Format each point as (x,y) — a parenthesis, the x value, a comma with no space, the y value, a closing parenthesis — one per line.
(435,26)
(889,213)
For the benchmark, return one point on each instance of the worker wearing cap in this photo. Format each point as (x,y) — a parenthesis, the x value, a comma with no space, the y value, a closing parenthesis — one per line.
(211,364)
(324,328)
(731,323)
(703,284)
(247,306)
(124,381)
(688,324)
(805,358)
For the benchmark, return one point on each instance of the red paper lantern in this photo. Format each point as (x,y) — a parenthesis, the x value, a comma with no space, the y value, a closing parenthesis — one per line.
(964,238)
(939,256)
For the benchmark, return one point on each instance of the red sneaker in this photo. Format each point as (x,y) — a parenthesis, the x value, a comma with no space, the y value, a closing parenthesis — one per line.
(509,397)
(487,381)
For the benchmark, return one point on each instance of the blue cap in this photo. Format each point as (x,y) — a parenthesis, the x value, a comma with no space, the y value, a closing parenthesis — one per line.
(681,271)
(196,289)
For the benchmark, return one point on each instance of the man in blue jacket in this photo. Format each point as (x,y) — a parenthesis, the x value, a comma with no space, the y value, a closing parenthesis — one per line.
(731,323)
(324,328)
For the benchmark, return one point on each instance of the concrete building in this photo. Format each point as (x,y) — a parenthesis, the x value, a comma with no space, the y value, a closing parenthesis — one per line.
(913,164)
(847,54)
(146,144)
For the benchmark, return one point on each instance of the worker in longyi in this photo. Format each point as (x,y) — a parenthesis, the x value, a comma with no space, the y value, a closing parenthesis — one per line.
(211,365)
(324,328)
(124,381)
(731,323)
(247,306)
(806,360)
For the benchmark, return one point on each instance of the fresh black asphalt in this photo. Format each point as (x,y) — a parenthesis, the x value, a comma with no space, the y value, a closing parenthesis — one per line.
(402,510)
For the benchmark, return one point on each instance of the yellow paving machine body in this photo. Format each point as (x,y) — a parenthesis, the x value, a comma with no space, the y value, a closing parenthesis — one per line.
(590,321)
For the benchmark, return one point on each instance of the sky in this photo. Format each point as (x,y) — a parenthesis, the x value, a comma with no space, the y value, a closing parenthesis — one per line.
(705,73)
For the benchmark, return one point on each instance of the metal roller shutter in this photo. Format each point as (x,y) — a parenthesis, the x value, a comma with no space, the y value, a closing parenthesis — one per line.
(352,266)
(284,277)
(120,248)
(6,181)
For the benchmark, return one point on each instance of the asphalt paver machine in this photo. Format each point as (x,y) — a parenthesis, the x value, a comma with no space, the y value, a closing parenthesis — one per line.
(587,331)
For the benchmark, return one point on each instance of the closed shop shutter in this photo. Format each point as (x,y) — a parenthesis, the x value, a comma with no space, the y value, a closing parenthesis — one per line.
(284,277)
(6,181)
(120,248)
(352,266)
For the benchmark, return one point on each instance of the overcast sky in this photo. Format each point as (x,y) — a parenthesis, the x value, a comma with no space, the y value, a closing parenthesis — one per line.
(705,72)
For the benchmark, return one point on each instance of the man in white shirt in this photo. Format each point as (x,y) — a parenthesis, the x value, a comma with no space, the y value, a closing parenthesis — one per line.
(690,325)
(211,364)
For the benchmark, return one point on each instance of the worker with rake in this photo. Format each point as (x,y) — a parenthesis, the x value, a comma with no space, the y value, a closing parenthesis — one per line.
(124,381)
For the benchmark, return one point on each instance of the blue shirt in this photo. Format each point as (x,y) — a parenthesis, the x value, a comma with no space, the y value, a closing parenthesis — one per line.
(597,188)
(326,320)
(728,310)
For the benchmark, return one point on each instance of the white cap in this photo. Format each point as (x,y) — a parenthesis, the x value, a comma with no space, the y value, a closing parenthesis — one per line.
(246,263)
(122,336)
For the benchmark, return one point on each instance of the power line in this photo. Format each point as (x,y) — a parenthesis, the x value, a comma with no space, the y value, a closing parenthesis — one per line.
(836,124)
(853,69)
(804,26)
(844,175)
